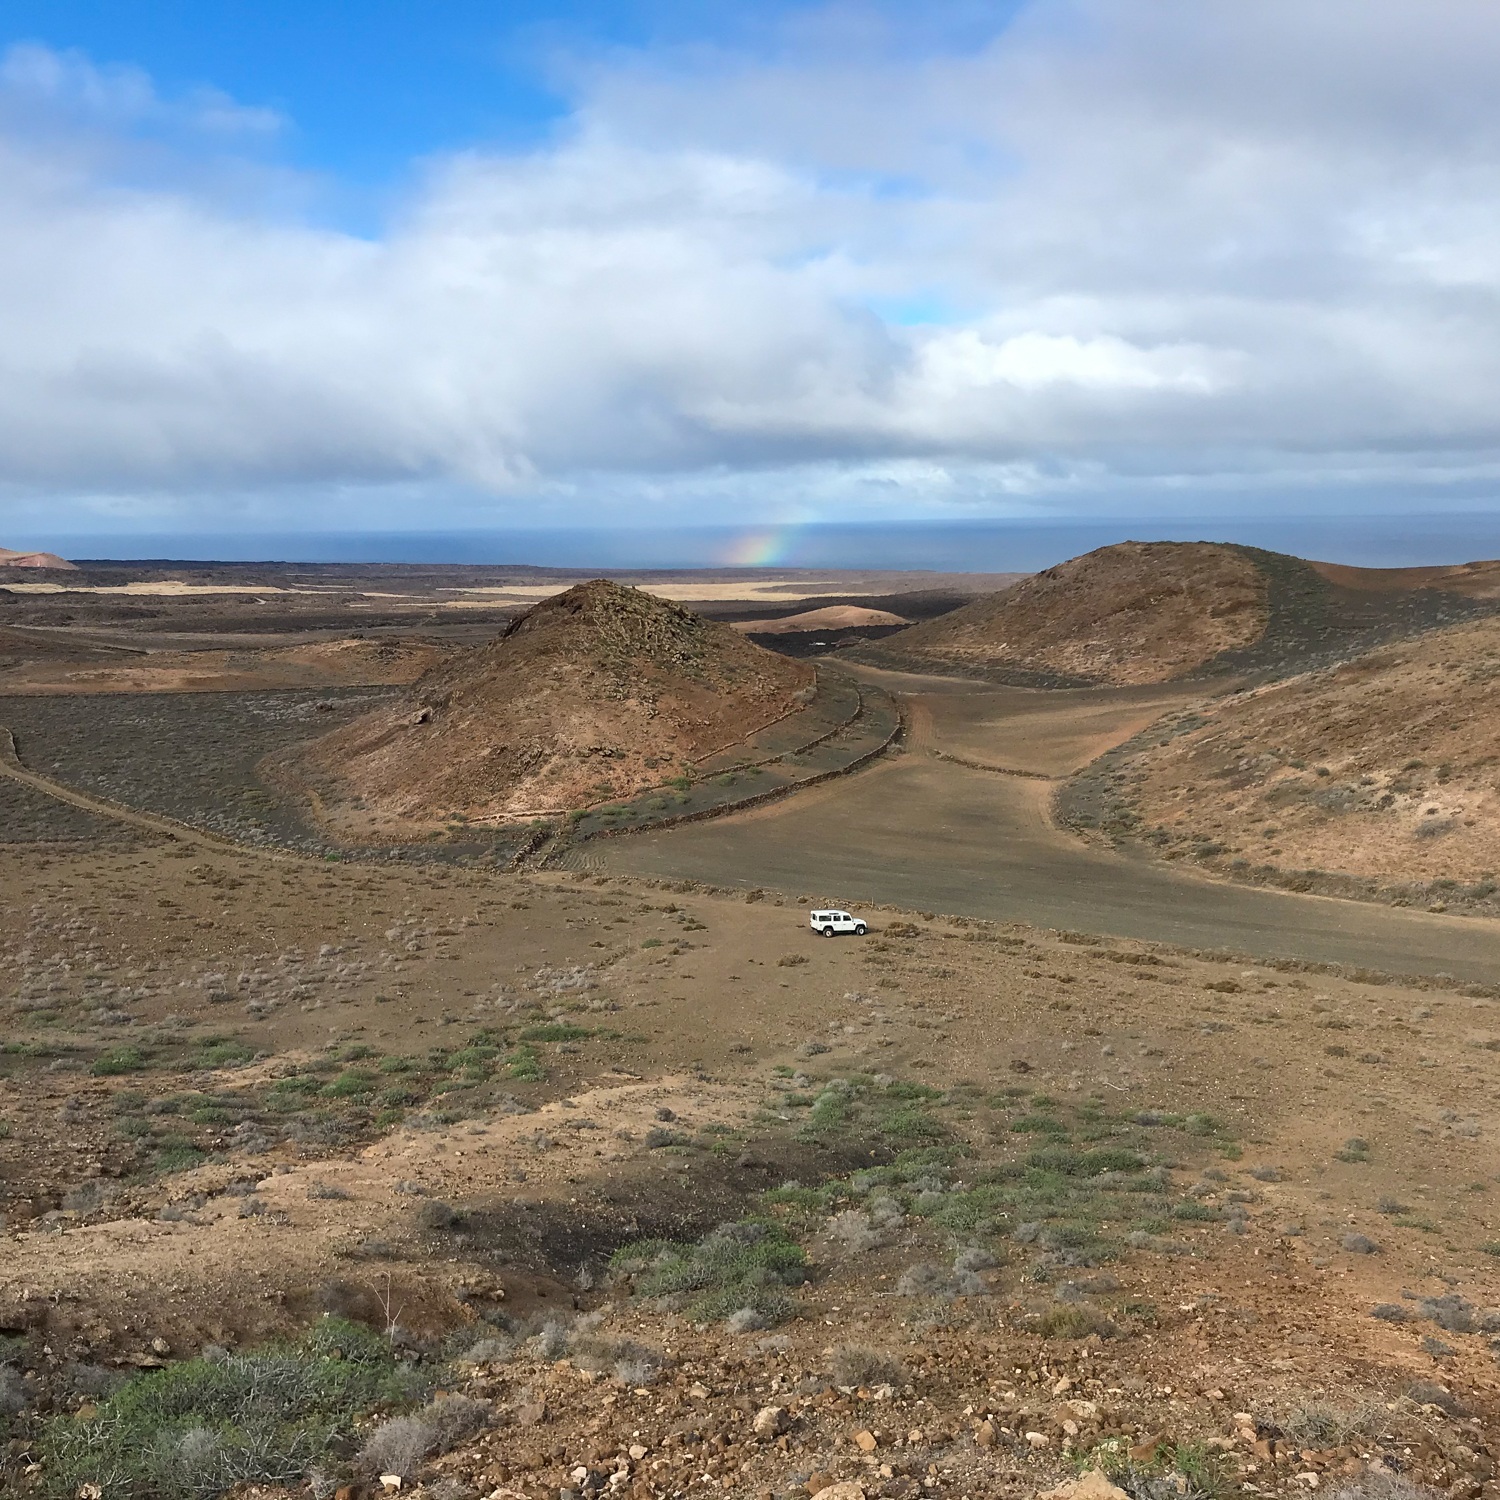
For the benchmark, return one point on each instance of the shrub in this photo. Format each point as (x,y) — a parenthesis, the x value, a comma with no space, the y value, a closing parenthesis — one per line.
(434,1214)
(853,1232)
(556,1031)
(118,1060)
(491,1351)
(399,1445)
(352,1083)
(1074,1320)
(526,1067)
(928,1279)
(176,1153)
(1372,1486)
(205,1425)
(1319,1424)
(1185,1471)
(737,1266)
(629,1362)
(855,1365)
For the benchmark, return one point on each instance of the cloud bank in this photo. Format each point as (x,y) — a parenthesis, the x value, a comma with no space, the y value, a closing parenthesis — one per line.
(1192,248)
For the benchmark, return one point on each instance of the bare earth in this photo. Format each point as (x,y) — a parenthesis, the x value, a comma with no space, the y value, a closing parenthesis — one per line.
(1080,1149)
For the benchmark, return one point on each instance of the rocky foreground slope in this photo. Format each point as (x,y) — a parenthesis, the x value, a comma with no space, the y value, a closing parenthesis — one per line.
(598,692)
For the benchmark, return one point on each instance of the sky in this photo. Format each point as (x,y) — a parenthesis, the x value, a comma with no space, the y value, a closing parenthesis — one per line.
(275,268)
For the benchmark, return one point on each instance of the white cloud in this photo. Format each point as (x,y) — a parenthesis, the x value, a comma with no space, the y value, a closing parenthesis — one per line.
(38,82)
(1193,243)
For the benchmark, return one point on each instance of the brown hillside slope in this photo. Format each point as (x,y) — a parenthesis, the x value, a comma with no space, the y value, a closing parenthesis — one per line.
(1386,767)
(594,693)
(1131,613)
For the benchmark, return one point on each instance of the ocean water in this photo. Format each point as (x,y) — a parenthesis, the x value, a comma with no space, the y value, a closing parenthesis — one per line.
(947,546)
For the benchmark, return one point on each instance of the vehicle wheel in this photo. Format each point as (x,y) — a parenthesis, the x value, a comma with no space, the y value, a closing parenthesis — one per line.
(859,929)
(828,932)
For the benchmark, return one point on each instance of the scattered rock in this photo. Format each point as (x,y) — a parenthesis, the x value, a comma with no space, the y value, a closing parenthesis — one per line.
(1092,1486)
(770,1421)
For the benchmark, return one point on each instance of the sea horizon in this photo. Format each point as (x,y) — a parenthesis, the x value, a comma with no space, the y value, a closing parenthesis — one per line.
(987,546)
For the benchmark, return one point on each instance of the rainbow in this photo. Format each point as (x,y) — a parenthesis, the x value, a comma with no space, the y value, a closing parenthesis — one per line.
(763,548)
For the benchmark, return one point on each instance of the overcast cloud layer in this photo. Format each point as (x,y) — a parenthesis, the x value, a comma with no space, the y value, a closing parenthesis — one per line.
(1192,248)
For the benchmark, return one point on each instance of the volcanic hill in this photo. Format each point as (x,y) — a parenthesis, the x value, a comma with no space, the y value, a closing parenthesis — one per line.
(1145,612)
(12,559)
(1382,768)
(595,693)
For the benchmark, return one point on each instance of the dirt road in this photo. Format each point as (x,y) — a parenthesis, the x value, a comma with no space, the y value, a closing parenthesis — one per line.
(931,833)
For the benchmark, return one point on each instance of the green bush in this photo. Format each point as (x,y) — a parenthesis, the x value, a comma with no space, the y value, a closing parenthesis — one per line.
(118,1060)
(1194,1211)
(526,1067)
(176,1153)
(556,1031)
(912,1123)
(352,1083)
(749,1264)
(896,1111)
(206,1425)
(222,1052)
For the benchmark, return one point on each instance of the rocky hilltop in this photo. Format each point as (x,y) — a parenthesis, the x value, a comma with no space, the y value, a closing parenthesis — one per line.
(598,692)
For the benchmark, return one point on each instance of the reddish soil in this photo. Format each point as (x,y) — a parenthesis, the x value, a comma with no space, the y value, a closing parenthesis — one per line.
(1133,613)
(599,692)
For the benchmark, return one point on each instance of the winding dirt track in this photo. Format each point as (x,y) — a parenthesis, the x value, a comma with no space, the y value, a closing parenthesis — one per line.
(934,830)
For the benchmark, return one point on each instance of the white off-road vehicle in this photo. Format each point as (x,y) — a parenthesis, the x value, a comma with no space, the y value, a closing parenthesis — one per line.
(830,922)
